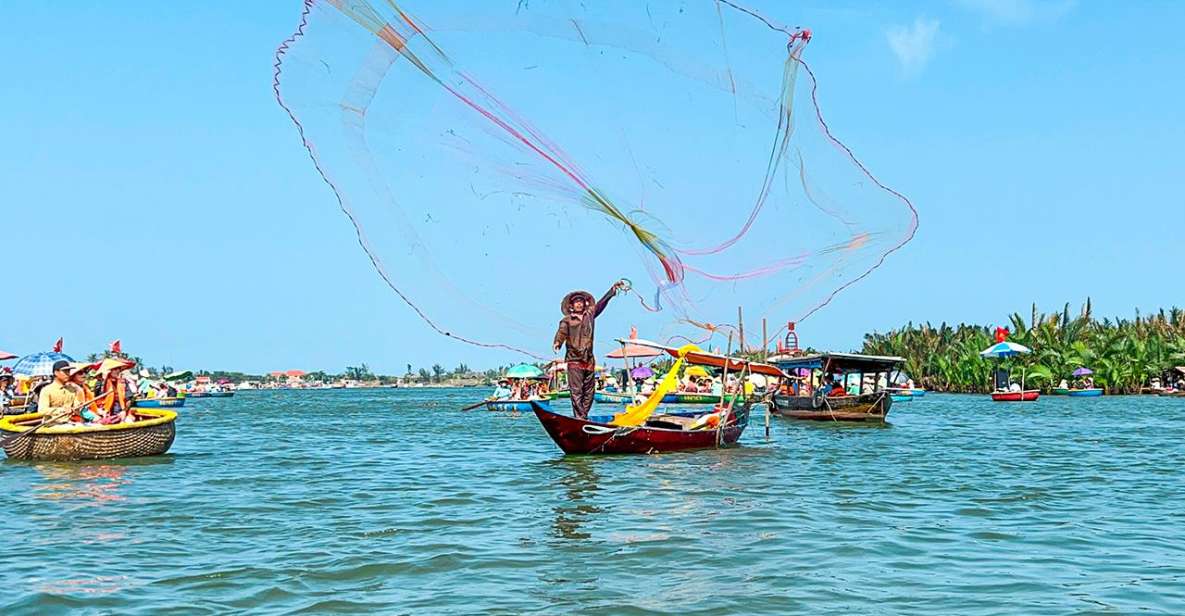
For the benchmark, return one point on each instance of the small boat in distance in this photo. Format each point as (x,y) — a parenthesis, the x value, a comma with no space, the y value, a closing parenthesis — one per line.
(1028,395)
(158,403)
(1085,393)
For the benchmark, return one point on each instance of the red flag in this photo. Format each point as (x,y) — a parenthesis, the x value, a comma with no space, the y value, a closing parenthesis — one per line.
(57,346)
(1001,334)
(115,347)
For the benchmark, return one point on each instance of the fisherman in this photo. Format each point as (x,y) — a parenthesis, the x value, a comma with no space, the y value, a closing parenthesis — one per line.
(576,330)
(61,394)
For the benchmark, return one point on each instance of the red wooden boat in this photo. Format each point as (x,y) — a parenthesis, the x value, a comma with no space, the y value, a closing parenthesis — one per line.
(661,433)
(1015,396)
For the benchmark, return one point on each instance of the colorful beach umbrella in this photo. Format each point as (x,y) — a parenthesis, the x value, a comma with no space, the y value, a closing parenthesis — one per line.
(38,364)
(633,350)
(6,355)
(641,372)
(1005,349)
(524,371)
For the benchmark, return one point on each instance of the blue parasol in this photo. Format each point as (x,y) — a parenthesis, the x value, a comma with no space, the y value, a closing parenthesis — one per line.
(1004,349)
(38,364)
(524,371)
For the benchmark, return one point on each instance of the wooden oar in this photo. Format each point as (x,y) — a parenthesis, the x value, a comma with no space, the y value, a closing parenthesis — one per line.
(50,420)
(473,406)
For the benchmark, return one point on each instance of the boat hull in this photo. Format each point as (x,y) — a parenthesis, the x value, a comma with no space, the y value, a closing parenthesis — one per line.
(220,394)
(866,408)
(1016,396)
(580,436)
(686,398)
(1085,393)
(611,397)
(513,406)
(159,403)
(151,437)
(1060,391)
(596,417)
(902,397)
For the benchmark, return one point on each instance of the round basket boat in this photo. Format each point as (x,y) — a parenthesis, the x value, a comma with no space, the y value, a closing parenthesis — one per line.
(151,435)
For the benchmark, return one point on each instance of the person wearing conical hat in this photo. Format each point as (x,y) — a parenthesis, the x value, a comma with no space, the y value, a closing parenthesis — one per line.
(111,374)
(7,391)
(86,397)
(576,331)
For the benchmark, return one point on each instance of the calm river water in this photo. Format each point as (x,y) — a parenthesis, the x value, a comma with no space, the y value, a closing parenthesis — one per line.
(394,501)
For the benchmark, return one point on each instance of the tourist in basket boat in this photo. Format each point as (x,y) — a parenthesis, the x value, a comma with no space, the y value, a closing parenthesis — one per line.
(576,331)
(61,394)
(115,407)
(7,391)
(89,412)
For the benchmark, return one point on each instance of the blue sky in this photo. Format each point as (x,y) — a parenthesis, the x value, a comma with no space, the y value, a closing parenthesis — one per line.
(153,191)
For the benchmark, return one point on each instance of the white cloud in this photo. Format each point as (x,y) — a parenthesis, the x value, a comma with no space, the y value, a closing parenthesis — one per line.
(913,45)
(1018,12)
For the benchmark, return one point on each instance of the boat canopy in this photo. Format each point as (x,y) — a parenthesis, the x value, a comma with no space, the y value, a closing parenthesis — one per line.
(714,360)
(848,362)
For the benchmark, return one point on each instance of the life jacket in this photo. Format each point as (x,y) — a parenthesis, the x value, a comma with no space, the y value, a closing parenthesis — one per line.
(120,393)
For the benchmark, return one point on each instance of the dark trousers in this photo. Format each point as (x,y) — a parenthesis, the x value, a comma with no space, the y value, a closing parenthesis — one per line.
(583,385)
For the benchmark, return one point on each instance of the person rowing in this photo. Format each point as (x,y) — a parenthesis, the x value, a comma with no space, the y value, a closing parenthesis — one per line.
(576,331)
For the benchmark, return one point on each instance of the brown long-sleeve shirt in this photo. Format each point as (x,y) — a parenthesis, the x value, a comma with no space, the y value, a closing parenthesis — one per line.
(578,330)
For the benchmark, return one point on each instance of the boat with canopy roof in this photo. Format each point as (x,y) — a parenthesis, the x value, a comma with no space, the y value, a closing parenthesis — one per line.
(804,394)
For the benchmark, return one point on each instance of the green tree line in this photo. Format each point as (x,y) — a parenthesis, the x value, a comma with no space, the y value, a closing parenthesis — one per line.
(1123,353)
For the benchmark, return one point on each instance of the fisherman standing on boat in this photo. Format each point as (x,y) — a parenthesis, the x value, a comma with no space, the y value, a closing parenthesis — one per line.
(576,331)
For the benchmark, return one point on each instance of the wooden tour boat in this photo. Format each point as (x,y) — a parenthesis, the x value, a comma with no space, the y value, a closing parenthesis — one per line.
(800,398)
(641,428)
(151,435)
(660,433)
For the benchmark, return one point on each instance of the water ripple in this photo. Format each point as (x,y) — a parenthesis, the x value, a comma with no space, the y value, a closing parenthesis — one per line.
(396,502)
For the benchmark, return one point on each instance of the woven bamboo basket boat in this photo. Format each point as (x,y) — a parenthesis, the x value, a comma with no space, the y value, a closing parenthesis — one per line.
(151,435)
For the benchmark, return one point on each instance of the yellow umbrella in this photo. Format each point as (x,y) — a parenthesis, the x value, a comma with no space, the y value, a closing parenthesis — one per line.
(696,371)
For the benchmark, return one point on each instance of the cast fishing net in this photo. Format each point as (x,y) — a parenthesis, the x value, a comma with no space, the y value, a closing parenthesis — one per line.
(493,156)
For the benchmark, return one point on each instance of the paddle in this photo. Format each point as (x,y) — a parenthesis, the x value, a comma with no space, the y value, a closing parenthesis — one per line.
(473,406)
(49,420)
